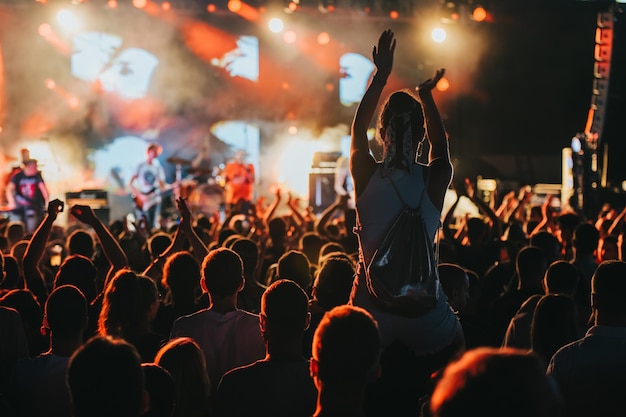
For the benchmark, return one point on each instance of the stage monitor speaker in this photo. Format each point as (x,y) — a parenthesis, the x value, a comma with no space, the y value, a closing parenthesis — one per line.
(96,199)
(321,189)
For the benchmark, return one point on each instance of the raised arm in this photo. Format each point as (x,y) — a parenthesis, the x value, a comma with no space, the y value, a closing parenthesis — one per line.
(35,250)
(439,153)
(186,225)
(110,246)
(362,164)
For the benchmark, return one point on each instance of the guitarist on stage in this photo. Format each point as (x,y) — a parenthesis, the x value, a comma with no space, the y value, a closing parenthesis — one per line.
(27,195)
(147,184)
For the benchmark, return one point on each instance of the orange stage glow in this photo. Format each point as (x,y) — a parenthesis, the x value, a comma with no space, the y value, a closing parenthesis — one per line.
(443,85)
(323,38)
(244,10)
(166,6)
(206,41)
(479,14)
(46,31)
(140,4)
(112,4)
(394,14)
(234,6)
(211,8)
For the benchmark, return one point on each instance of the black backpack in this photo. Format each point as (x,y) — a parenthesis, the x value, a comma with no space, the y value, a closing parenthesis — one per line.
(402,275)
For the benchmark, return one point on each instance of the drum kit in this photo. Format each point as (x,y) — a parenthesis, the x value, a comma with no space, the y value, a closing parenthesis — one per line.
(203,188)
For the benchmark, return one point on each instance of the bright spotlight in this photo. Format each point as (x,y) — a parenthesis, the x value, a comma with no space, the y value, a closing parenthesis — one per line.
(443,85)
(276,25)
(293,130)
(394,14)
(439,35)
(479,14)
(112,4)
(166,6)
(50,84)
(140,4)
(68,20)
(211,8)
(323,38)
(234,5)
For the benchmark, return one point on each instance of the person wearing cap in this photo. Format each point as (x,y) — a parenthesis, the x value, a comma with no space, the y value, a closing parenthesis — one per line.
(27,195)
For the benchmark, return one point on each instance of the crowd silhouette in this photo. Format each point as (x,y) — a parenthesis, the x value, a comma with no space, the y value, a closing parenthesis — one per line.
(271,314)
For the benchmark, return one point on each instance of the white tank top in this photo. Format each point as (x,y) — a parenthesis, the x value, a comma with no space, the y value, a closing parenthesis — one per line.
(379,205)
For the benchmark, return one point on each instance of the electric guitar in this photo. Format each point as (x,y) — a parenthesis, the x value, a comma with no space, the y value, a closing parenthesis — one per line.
(145,201)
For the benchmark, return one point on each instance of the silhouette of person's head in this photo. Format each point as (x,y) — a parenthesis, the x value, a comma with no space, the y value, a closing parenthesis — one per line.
(608,293)
(65,312)
(401,119)
(294,265)
(248,250)
(455,284)
(561,278)
(78,270)
(181,275)
(80,242)
(531,265)
(549,243)
(184,360)
(160,387)
(105,379)
(585,239)
(495,382)
(333,282)
(222,273)
(284,311)
(553,325)
(346,349)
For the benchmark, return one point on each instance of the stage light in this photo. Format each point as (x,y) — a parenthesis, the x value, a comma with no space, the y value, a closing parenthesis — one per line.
(211,8)
(68,20)
(323,38)
(394,14)
(166,5)
(293,130)
(140,4)
(290,36)
(479,14)
(234,5)
(276,25)
(112,4)
(292,6)
(443,85)
(438,35)
(50,84)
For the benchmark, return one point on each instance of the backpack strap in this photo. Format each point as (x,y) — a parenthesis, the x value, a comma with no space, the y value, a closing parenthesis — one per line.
(424,191)
(395,187)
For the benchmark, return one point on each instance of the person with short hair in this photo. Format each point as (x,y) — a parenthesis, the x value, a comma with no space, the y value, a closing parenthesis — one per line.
(590,371)
(41,381)
(346,354)
(229,337)
(105,379)
(495,382)
(280,383)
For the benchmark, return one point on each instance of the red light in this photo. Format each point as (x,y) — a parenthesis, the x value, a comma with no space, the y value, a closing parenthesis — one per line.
(211,8)
(394,14)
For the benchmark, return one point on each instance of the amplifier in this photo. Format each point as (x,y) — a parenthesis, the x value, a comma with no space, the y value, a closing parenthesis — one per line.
(96,199)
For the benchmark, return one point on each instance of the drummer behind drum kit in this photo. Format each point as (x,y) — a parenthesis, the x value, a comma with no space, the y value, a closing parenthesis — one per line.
(204,195)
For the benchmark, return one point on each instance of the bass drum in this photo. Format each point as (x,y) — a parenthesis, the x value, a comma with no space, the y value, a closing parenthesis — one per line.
(206,199)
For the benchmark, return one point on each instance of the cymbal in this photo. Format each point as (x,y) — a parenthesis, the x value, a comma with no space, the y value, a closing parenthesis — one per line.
(178,161)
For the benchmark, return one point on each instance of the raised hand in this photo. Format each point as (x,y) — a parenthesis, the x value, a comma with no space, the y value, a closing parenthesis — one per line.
(55,207)
(382,55)
(183,209)
(84,213)
(428,85)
